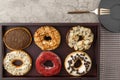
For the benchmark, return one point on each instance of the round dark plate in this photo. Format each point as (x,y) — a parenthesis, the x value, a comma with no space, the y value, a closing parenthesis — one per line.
(112,20)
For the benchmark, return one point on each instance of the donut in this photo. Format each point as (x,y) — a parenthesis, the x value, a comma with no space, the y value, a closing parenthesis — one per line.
(80,38)
(47,38)
(45,58)
(17,63)
(17,38)
(77,63)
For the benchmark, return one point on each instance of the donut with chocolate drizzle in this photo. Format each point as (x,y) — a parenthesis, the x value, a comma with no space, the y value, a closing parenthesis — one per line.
(77,63)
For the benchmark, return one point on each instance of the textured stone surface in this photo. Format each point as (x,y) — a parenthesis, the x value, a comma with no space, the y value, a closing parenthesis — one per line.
(56,11)
(46,10)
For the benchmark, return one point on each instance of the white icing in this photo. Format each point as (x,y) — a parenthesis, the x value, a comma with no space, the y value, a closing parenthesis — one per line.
(73,38)
(17,55)
(82,68)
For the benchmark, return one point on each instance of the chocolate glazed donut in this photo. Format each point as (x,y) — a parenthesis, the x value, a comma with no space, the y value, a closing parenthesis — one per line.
(17,38)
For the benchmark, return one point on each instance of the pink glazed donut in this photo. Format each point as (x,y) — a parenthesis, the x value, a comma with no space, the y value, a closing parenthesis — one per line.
(48,70)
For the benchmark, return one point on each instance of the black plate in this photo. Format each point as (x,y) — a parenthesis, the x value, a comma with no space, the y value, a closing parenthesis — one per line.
(111,21)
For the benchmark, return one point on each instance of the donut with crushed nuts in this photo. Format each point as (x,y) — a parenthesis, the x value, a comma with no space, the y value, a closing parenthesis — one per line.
(47,38)
(77,63)
(80,38)
(12,66)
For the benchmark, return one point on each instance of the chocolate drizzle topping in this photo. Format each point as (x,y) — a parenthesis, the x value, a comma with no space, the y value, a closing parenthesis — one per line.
(73,60)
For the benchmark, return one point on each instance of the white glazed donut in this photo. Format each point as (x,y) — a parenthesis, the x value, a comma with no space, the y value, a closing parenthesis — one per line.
(14,69)
(80,38)
(84,65)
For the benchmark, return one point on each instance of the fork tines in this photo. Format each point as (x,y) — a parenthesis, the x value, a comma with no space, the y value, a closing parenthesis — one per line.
(104,11)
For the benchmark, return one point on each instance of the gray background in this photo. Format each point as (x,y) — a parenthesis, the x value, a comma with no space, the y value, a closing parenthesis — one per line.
(39,11)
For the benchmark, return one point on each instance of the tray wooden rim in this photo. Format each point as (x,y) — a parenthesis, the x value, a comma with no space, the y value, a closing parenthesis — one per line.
(50,78)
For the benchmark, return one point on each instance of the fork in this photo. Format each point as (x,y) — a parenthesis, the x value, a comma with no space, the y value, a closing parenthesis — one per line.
(101,11)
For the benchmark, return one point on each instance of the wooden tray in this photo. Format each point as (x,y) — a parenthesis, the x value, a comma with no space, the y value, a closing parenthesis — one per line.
(62,51)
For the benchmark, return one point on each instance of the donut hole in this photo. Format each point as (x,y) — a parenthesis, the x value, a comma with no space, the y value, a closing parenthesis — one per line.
(48,63)
(78,63)
(47,38)
(80,38)
(17,62)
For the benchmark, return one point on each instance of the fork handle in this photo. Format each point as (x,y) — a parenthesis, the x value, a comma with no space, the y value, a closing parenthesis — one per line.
(78,12)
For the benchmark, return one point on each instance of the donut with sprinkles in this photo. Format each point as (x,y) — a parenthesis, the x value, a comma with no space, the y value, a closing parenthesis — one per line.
(14,69)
